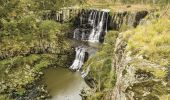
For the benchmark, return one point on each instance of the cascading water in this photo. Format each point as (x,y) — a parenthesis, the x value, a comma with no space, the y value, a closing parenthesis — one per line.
(91,29)
(96,31)
(79,60)
(101,27)
(85,73)
(97,26)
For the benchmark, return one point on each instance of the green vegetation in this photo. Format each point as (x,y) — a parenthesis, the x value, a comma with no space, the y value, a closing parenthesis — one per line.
(126,5)
(152,43)
(20,71)
(149,46)
(160,2)
(28,43)
(101,69)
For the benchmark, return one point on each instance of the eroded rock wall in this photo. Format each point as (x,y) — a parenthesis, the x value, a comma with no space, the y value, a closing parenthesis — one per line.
(137,77)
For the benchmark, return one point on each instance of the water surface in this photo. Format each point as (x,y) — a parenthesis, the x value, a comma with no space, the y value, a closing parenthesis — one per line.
(63,84)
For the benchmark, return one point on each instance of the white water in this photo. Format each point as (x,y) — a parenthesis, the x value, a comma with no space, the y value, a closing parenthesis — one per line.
(79,60)
(106,10)
(83,36)
(90,18)
(98,20)
(98,29)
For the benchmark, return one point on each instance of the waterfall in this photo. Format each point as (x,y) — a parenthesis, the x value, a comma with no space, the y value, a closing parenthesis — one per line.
(79,59)
(92,26)
(96,31)
(101,26)
(97,20)
(90,17)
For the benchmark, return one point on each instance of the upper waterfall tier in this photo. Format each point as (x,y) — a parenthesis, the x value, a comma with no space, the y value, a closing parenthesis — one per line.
(92,26)
(98,28)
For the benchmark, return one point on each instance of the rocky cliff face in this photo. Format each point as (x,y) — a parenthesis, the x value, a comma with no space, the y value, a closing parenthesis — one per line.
(63,15)
(131,19)
(125,75)
(138,77)
(116,18)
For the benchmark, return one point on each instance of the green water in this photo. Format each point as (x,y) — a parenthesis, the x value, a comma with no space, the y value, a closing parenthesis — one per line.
(63,84)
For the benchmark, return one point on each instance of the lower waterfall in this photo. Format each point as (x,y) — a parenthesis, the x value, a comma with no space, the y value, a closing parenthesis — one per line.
(79,59)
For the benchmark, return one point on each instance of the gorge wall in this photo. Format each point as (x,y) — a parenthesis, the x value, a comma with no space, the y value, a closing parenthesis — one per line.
(116,21)
(138,77)
(92,25)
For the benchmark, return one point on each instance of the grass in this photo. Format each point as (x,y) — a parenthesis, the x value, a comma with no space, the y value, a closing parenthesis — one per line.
(149,48)
(115,7)
(152,43)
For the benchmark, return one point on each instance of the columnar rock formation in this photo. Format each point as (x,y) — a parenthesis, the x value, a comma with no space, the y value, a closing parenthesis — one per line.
(63,15)
(131,19)
(92,25)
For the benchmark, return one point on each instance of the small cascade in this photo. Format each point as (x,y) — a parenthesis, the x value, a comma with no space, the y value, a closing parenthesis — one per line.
(76,32)
(84,73)
(79,59)
(83,36)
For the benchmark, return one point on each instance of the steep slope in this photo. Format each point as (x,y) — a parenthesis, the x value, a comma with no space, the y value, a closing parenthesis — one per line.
(143,65)
(101,75)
